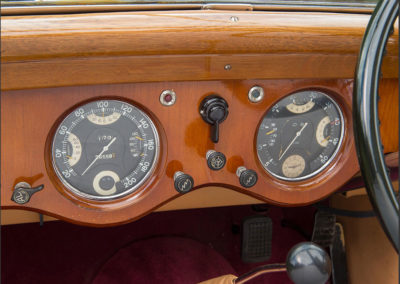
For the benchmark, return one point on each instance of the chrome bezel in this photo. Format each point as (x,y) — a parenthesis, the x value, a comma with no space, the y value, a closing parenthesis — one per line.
(164,94)
(254,99)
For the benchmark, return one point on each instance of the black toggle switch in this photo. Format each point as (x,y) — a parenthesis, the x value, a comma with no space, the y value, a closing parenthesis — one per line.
(23,192)
(214,110)
(247,178)
(215,160)
(183,182)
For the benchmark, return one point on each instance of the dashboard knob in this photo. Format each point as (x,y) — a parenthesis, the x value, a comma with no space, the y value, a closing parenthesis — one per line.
(247,178)
(214,110)
(183,182)
(215,160)
(23,192)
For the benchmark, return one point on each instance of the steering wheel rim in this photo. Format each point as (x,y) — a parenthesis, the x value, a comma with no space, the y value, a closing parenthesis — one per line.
(366,120)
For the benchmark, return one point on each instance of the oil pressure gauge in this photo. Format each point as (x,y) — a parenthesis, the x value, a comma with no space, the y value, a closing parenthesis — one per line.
(105,149)
(300,135)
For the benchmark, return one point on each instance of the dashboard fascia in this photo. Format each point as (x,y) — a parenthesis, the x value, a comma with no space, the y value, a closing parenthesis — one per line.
(54,62)
(184,138)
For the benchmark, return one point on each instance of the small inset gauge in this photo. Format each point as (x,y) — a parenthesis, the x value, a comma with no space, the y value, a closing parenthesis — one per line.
(320,133)
(104,182)
(136,143)
(301,103)
(293,166)
(74,150)
(102,118)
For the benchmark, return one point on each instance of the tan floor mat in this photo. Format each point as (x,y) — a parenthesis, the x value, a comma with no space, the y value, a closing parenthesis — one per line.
(370,256)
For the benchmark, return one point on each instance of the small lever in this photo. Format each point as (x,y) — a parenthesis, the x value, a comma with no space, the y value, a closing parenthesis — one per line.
(23,192)
(214,110)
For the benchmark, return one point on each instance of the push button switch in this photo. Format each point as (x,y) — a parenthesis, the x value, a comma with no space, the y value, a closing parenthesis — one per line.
(247,178)
(183,182)
(215,160)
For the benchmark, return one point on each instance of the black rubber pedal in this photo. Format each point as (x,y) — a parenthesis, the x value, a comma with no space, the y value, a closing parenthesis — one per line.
(324,229)
(338,256)
(256,239)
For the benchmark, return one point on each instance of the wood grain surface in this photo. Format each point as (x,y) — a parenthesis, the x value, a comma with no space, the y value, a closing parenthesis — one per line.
(29,117)
(126,47)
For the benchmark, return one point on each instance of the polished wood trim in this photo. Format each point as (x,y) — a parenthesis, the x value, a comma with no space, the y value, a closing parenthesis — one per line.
(28,117)
(210,196)
(67,50)
(388,111)
(106,7)
(99,8)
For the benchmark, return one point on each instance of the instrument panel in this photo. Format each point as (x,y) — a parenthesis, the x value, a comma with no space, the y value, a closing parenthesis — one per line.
(110,154)
(300,135)
(105,149)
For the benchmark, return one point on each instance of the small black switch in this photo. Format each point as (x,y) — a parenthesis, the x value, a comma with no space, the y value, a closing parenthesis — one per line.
(23,192)
(183,182)
(247,178)
(215,160)
(214,110)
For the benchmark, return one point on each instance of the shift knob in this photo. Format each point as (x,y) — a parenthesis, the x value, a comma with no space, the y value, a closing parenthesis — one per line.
(308,263)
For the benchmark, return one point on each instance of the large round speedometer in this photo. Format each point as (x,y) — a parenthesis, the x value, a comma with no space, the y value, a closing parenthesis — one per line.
(300,135)
(105,149)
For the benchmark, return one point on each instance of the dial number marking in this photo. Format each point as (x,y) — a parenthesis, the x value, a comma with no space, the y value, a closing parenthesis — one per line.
(103,120)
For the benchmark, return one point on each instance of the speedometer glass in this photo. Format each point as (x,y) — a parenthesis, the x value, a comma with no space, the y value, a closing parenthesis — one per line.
(300,135)
(105,149)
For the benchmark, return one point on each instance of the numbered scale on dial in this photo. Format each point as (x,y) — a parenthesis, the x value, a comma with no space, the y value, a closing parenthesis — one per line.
(105,149)
(300,135)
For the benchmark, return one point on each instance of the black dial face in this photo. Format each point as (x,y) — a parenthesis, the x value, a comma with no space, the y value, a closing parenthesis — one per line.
(105,149)
(300,135)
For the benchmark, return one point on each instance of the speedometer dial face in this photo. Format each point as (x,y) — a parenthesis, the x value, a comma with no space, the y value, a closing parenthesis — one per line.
(300,135)
(105,149)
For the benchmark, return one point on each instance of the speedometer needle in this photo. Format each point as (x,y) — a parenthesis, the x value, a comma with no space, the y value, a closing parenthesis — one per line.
(294,139)
(105,148)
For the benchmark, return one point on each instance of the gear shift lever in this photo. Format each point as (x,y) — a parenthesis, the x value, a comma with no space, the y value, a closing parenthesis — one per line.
(308,263)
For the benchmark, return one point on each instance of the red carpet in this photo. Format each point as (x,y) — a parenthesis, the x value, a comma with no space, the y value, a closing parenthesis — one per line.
(61,253)
(164,260)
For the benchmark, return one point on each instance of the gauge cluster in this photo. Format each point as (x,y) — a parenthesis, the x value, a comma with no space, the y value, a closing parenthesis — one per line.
(109,154)
(105,149)
(300,135)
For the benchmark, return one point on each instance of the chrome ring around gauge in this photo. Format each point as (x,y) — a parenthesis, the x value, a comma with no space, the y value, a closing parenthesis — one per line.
(105,149)
(300,135)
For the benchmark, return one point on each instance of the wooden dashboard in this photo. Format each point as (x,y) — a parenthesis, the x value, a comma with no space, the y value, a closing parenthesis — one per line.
(53,63)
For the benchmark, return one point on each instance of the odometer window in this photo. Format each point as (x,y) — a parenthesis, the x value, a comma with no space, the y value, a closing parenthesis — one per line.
(105,149)
(300,135)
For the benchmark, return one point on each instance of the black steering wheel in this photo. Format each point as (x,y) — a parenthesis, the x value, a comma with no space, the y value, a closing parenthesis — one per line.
(366,121)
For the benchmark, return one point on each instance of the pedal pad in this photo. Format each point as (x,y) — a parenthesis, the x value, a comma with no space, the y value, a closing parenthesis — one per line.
(256,239)
(338,256)
(324,229)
